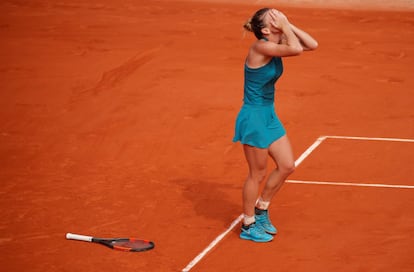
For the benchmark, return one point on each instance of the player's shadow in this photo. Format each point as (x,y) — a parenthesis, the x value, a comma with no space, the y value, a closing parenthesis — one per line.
(212,200)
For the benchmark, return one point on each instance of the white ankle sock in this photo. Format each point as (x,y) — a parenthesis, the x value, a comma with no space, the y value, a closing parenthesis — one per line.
(247,220)
(263,205)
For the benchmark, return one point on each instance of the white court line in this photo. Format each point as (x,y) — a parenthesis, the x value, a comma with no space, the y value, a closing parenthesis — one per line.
(297,163)
(351,184)
(238,219)
(371,139)
(212,244)
(309,150)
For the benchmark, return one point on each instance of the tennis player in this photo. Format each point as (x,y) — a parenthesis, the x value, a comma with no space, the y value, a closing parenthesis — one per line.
(257,126)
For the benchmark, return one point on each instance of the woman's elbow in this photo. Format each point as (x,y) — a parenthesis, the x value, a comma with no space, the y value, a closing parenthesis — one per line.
(297,50)
(313,45)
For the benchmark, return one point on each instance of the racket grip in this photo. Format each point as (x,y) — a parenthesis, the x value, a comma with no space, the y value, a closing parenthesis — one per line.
(79,237)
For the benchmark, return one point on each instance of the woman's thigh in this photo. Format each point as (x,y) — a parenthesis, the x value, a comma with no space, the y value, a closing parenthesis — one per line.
(256,158)
(281,153)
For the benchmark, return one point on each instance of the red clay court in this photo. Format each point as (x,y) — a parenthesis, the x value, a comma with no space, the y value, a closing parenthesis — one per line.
(116,119)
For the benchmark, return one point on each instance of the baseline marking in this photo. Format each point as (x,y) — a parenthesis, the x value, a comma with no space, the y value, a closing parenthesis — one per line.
(351,184)
(238,219)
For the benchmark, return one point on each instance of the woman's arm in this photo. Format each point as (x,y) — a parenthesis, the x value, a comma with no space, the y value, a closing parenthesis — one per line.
(307,41)
(291,45)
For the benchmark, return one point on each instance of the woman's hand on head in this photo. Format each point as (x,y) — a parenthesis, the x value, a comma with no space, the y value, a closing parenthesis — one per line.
(279,14)
(278,20)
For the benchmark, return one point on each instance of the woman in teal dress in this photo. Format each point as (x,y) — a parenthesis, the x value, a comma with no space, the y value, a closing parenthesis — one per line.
(257,126)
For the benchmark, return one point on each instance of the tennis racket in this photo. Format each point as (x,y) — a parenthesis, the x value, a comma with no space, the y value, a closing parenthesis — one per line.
(123,244)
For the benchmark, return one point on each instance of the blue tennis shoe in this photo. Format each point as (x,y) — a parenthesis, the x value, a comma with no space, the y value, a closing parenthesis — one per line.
(262,219)
(256,233)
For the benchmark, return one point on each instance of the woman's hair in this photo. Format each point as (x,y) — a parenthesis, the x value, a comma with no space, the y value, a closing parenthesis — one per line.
(255,23)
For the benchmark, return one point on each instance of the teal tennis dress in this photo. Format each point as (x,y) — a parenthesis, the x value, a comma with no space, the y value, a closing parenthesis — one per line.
(257,123)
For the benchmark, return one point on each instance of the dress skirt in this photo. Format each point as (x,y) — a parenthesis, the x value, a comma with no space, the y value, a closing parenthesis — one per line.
(258,126)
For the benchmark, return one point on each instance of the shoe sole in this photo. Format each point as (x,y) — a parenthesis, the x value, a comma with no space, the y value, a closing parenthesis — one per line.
(255,239)
(271,232)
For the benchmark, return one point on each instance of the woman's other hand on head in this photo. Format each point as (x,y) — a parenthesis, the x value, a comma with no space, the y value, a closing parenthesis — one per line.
(278,20)
(279,14)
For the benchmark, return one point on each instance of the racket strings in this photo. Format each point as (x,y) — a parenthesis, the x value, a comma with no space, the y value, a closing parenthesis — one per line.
(132,245)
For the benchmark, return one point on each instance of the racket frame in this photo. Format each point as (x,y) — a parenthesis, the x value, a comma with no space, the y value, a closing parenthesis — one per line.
(109,242)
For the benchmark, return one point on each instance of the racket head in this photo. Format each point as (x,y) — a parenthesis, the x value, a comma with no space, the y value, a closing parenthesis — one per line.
(126,244)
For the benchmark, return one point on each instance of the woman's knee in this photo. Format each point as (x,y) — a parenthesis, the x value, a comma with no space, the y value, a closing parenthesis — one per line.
(287,168)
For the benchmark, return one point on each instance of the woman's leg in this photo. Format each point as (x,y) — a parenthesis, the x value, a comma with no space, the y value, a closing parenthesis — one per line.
(257,161)
(282,155)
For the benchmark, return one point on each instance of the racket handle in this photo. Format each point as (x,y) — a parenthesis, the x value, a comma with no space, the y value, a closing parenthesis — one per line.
(79,237)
